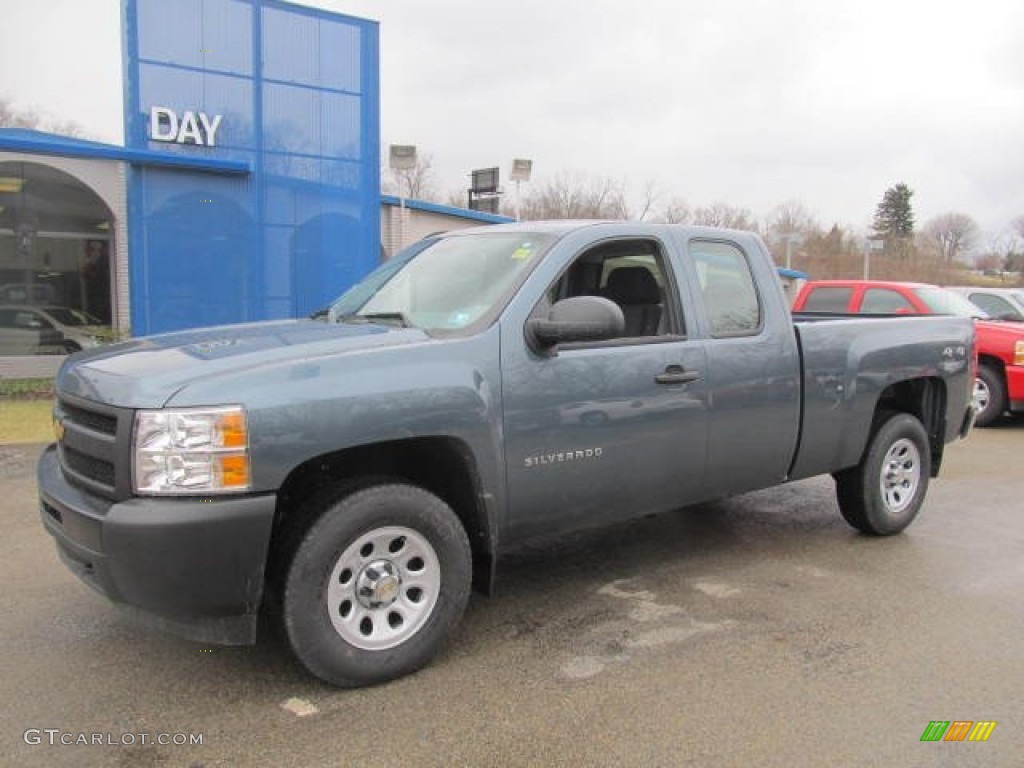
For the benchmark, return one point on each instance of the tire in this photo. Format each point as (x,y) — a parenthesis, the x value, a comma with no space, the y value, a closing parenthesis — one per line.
(376,585)
(989,395)
(883,494)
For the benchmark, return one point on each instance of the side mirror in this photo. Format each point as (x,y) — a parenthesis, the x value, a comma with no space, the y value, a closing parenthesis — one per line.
(580,318)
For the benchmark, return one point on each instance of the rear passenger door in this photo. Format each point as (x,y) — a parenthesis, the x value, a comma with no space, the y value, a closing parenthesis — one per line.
(753,366)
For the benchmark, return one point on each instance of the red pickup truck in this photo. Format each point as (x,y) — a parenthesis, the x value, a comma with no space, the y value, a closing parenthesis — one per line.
(999,385)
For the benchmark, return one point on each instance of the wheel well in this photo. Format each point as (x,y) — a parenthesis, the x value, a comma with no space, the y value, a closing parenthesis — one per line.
(441,465)
(924,399)
(992,362)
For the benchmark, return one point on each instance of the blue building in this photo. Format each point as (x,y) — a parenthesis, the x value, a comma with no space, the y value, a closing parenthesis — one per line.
(248,187)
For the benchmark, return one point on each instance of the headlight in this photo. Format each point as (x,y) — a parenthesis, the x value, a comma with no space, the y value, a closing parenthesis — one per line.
(191,451)
(1018,353)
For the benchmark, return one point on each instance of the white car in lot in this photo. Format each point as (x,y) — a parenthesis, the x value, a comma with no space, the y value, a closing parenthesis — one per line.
(60,329)
(998,303)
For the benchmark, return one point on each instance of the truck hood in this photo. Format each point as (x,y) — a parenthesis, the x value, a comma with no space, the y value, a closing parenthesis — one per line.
(148,371)
(1001,328)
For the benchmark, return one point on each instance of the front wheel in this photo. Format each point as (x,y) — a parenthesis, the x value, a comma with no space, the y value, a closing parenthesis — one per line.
(883,494)
(376,585)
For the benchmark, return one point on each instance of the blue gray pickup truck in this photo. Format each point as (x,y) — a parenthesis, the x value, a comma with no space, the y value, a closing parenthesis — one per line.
(353,477)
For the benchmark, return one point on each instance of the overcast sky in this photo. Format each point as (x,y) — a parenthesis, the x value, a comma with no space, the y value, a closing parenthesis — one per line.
(826,102)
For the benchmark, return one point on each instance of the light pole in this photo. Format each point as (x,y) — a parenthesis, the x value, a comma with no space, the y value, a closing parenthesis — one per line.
(521,170)
(790,238)
(871,244)
(402,157)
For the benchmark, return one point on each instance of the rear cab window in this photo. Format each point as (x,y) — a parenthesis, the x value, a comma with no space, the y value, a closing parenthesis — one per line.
(828,298)
(727,286)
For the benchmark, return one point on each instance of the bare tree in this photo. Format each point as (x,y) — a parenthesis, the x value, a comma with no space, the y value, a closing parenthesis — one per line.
(648,200)
(952,234)
(575,196)
(677,211)
(1017,226)
(457,198)
(790,218)
(789,229)
(990,262)
(724,215)
(1004,252)
(13,117)
(416,182)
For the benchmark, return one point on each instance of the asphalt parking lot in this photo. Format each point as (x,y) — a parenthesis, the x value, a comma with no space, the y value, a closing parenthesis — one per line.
(761,631)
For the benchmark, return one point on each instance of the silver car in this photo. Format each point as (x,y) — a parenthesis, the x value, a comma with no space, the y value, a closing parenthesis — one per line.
(57,329)
(998,303)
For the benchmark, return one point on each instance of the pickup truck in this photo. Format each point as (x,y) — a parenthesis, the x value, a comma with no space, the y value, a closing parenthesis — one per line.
(999,383)
(357,475)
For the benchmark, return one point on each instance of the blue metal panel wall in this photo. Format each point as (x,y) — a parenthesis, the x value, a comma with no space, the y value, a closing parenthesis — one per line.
(299,93)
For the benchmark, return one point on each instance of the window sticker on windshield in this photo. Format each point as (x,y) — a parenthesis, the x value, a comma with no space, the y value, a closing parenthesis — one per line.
(523,252)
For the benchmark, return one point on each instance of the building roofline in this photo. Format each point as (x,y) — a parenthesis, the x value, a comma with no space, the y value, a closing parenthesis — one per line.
(42,143)
(446,210)
(795,274)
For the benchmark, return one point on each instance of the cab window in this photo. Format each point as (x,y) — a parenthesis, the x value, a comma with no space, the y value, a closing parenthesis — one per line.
(828,299)
(996,306)
(727,286)
(633,274)
(885,301)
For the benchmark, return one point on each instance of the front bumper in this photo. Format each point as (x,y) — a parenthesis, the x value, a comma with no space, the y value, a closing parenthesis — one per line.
(191,566)
(1015,387)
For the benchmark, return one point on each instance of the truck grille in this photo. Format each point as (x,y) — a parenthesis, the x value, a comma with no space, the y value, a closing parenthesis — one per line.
(94,441)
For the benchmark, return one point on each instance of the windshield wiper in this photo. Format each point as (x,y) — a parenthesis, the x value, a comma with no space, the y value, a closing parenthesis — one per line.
(387,318)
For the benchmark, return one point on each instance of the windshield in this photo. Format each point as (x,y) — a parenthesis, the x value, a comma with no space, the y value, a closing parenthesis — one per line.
(943,302)
(447,285)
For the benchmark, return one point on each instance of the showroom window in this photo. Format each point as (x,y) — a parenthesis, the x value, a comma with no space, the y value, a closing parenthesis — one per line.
(55,262)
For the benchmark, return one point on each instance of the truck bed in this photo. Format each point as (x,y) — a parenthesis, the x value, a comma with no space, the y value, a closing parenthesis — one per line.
(851,361)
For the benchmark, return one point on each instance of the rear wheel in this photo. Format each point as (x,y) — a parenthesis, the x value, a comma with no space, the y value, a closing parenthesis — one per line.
(989,395)
(883,494)
(376,585)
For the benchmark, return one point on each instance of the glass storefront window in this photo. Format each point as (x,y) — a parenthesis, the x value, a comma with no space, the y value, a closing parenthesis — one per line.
(55,262)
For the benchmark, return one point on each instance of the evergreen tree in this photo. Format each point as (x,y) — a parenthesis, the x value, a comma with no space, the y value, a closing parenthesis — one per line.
(894,220)
(894,217)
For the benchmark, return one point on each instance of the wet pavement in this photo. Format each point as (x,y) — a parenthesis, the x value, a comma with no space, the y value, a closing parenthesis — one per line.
(760,631)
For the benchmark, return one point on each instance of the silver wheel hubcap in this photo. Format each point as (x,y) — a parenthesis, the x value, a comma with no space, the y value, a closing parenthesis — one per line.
(981,395)
(901,475)
(383,588)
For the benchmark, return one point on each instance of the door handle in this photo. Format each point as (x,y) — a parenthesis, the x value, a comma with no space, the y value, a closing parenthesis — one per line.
(676,374)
